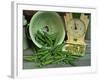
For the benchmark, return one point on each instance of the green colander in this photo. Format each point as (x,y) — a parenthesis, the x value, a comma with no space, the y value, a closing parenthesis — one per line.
(43,19)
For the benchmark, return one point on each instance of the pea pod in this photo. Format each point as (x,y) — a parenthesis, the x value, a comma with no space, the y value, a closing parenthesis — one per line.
(59,60)
(40,36)
(39,40)
(58,48)
(42,53)
(29,58)
(48,39)
(71,63)
(45,56)
(47,62)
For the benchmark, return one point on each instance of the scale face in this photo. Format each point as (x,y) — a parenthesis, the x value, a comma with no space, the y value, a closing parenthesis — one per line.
(76,28)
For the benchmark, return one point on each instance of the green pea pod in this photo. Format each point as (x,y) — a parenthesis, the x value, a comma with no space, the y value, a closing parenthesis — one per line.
(49,58)
(66,61)
(29,58)
(42,49)
(48,39)
(75,57)
(39,37)
(39,65)
(45,56)
(71,63)
(59,60)
(47,62)
(39,40)
(58,57)
(42,52)
(58,48)
(53,36)
(41,34)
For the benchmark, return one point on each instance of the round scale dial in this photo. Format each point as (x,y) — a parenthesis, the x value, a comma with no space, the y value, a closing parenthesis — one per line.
(76,28)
